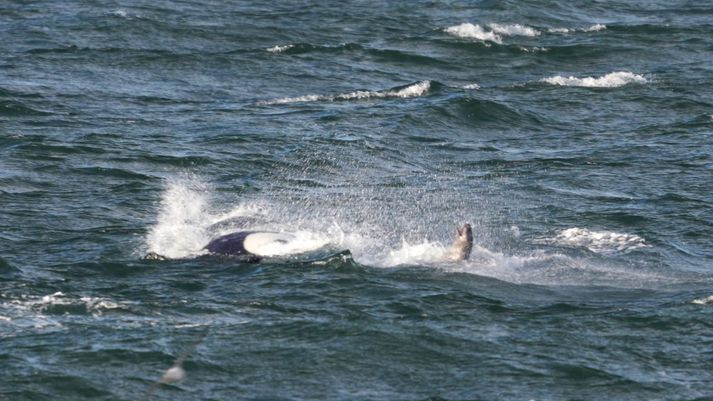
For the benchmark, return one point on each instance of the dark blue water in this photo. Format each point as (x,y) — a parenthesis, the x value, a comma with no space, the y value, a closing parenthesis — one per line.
(576,138)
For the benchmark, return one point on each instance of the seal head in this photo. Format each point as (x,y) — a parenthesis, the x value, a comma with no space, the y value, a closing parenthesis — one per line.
(463,243)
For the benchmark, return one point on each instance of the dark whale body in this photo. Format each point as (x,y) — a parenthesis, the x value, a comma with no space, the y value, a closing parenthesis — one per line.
(230,244)
(239,244)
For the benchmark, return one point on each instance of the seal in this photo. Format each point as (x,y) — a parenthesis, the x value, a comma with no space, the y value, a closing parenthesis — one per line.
(463,243)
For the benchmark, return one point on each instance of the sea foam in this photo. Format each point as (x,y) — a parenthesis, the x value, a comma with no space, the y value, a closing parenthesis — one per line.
(612,80)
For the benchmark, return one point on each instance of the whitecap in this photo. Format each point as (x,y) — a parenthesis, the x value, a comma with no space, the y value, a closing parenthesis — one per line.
(494,34)
(703,301)
(473,86)
(603,242)
(514,30)
(279,49)
(471,31)
(595,28)
(592,28)
(417,89)
(413,90)
(298,99)
(611,80)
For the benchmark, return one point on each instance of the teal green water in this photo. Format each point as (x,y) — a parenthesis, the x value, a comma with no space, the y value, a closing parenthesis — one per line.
(576,138)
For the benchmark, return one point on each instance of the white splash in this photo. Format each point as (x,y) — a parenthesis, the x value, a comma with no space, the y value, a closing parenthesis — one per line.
(604,242)
(473,86)
(417,89)
(612,80)
(388,244)
(279,49)
(424,253)
(180,229)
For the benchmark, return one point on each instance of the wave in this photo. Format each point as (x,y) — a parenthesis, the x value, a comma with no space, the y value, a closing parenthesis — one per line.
(602,242)
(494,34)
(611,80)
(413,90)
(474,111)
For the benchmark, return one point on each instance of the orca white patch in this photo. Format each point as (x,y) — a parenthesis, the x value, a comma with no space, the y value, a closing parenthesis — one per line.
(268,244)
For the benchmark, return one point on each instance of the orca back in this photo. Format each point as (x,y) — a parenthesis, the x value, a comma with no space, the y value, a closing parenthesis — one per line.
(230,244)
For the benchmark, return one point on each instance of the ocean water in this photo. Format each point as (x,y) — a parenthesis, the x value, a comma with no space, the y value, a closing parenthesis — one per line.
(575,136)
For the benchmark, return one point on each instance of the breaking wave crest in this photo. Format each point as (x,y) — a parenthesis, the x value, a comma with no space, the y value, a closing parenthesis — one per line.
(603,242)
(612,80)
(417,89)
(592,28)
(490,32)
(703,301)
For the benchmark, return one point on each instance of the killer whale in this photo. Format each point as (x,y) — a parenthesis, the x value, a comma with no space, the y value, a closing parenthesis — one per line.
(253,245)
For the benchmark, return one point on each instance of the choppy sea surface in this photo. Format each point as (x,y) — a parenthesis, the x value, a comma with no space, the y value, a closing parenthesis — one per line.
(575,136)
